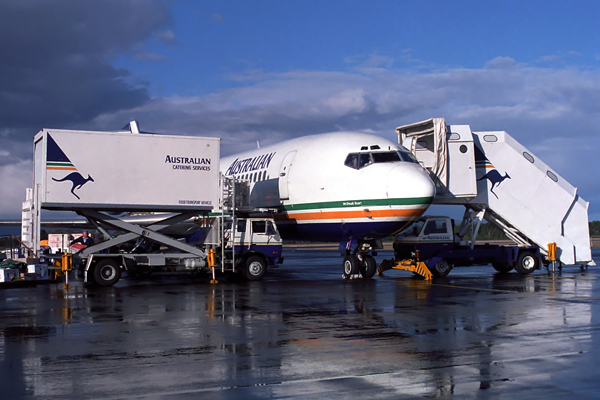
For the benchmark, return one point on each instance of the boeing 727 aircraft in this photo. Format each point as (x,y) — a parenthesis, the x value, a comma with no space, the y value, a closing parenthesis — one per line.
(351,188)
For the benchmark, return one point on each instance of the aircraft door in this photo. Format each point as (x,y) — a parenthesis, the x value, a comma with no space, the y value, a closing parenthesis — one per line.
(284,175)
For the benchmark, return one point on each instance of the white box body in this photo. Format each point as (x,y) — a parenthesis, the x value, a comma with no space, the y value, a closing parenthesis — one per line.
(125,171)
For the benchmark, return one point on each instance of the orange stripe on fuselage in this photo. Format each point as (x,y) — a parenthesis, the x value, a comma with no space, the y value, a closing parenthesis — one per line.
(353,214)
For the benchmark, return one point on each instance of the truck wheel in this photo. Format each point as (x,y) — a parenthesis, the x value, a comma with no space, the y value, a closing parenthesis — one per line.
(502,267)
(527,263)
(255,268)
(351,266)
(441,269)
(369,267)
(107,272)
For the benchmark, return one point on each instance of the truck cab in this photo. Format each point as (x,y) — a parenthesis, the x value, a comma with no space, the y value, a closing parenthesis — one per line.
(257,244)
(429,235)
(431,240)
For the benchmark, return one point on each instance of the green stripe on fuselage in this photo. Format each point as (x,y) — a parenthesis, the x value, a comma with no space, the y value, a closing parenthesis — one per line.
(410,201)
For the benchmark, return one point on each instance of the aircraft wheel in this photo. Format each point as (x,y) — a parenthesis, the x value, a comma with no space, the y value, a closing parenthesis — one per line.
(255,268)
(441,269)
(502,267)
(369,267)
(527,263)
(351,266)
(107,272)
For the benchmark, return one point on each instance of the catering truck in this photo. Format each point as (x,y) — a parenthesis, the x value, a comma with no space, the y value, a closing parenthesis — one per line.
(158,201)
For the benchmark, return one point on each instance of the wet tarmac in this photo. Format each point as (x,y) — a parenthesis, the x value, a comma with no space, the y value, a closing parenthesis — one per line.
(304,332)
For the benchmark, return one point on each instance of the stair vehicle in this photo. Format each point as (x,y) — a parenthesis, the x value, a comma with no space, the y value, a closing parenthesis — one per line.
(496,179)
(431,240)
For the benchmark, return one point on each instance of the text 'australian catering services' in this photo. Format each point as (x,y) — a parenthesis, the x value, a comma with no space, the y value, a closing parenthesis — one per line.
(189,163)
(250,164)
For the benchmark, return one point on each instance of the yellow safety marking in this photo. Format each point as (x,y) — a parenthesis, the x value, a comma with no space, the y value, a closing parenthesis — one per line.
(418,267)
(67,262)
(551,252)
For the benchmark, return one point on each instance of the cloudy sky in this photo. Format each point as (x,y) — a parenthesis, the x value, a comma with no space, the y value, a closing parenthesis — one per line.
(269,70)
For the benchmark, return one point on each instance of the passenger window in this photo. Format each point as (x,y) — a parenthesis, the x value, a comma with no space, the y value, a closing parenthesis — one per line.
(259,226)
(270,228)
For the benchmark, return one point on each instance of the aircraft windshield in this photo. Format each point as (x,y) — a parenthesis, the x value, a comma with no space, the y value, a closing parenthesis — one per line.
(363,159)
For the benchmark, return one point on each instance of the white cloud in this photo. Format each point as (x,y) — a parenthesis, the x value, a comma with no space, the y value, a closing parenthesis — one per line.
(501,63)
(552,111)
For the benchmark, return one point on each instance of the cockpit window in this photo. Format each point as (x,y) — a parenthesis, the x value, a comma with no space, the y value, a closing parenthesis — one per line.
(408,156)
(388,156)
(352,160)
(363,159)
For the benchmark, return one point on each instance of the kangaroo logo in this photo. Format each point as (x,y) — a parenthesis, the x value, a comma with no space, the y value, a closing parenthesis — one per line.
(482,163)
(495,179)
(57,160)
(77,179)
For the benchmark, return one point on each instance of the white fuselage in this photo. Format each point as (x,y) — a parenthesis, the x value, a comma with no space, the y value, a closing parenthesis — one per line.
(335,186)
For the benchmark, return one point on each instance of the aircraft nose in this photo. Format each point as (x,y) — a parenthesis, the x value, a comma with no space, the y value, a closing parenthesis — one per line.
(412,183)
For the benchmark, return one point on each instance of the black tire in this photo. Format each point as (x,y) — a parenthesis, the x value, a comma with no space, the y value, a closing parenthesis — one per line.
(368,267)
(107,272)
(255,268)
(502,267)
(527,263)
(441,269)
(351,266)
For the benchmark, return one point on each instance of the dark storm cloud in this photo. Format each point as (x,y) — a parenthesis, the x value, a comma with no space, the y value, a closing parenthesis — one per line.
(55,60)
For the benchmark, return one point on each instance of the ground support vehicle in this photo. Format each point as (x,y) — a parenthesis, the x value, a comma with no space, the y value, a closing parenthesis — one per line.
(431,243)
(249,249)
(161,205)
(498,180)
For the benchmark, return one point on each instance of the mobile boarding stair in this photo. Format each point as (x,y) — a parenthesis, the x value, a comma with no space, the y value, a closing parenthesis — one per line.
(499,180)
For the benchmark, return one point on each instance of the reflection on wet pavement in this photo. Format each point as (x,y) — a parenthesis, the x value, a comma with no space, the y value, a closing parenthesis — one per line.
(305,332)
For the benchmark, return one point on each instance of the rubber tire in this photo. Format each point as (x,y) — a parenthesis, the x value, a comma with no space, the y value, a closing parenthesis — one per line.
(368,267)
(527,263)
(351,266)
(441,269)
(107,272)
(502,267)
(255,268)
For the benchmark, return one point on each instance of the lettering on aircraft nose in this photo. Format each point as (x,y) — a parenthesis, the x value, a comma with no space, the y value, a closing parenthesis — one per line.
(250,164)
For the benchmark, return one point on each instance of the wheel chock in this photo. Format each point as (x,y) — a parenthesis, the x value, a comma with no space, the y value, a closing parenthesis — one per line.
(417,267)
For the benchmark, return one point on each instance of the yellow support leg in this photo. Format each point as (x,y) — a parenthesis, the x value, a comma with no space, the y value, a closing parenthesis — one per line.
(212,264)
(417,267)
